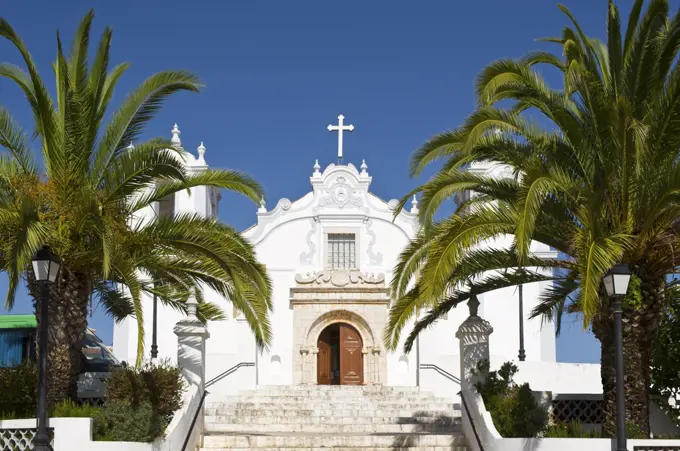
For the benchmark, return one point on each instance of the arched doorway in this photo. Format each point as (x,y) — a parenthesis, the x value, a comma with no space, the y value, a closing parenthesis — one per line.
(340,358)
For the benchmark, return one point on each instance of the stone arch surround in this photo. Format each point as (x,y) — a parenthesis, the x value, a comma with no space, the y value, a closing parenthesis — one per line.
(320,300)
(373,358)
(340,316)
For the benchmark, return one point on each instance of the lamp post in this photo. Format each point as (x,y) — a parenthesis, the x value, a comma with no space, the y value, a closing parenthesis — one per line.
(522,354)
(616,283)
(154,330)
(45,269)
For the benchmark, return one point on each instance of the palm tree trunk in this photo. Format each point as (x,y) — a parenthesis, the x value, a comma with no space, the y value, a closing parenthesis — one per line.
(67,308)
(640,326)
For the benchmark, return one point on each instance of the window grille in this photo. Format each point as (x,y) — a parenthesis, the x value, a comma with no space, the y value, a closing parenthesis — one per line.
(341,251)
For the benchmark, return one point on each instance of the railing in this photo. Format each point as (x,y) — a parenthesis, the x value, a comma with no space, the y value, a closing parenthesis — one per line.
(656,448)
(193,421)
(446,374)
(19,439)
(472,423)
(231,370)
(199,408)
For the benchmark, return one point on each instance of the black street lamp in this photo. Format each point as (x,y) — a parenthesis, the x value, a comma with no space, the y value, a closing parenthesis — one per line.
(616,283)
(45,269)
(154,330)
(522,353)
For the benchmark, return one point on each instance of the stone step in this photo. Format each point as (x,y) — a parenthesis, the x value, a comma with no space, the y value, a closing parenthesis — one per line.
(352,448)
(364,428)
(346,388)
(424,418)
(328,413)
(326,397)
(320,405)
(347,391)
(315,440)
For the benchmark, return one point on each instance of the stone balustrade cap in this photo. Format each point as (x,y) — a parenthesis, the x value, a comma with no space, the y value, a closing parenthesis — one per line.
(190,327)
(474,325)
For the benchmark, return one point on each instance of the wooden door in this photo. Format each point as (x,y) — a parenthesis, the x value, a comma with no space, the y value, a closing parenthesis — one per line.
(351,356)
(323,360)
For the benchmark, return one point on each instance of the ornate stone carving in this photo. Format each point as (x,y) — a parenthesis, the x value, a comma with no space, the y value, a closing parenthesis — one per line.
(373,258)
(339,278)
(284,204)
(307,258)
(341,193)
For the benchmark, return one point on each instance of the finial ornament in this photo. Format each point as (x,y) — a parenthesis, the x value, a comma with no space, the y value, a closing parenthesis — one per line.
(263,205)
(414,205)
(316,168)
(364,167)
(201,153)
(176,142)
(192,307)
(340,128)
(473,305)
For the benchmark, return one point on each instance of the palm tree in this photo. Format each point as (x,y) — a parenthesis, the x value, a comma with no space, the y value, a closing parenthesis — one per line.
(599,184)
(81,194)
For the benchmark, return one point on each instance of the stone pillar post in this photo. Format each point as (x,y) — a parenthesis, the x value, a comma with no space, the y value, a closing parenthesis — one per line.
(304,356)
(473,336)
(368,377)
(376,362)
(191,335)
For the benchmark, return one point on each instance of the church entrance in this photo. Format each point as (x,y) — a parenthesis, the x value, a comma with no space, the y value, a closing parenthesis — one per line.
(340,358)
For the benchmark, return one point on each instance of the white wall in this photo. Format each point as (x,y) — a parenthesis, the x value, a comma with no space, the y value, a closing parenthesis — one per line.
(478,428)
(560,378)
(75,434)
(291,229)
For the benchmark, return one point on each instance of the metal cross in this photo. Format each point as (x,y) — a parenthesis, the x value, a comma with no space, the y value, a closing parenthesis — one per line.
(341,127)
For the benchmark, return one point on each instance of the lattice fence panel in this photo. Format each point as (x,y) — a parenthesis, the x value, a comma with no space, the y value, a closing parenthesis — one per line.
(18,439)
(581,410)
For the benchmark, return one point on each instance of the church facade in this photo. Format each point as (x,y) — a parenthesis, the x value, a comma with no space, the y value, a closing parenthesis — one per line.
(330,255)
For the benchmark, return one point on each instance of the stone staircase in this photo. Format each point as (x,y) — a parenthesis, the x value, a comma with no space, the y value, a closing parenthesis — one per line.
(307,418)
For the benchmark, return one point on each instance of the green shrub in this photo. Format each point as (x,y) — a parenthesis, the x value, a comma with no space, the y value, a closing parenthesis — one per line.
(140,403)
(514,409)
(160,386)
(572,429)
(19,388)
(120,421)
(69,409)
(633,431)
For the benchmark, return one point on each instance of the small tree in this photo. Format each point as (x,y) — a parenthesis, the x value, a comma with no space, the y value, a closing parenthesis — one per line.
(666,356)
(514,409)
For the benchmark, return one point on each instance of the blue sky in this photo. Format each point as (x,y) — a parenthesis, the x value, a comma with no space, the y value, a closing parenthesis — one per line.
(277,73)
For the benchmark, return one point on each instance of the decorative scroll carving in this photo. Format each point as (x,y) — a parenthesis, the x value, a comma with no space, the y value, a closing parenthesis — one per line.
(307,258)
(373,258)
(337,278)
(341,193)
(284,204)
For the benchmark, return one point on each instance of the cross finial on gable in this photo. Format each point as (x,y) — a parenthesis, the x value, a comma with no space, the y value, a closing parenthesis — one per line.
(341,127)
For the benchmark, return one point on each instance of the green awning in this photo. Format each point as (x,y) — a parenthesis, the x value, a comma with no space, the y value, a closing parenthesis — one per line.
(18,322)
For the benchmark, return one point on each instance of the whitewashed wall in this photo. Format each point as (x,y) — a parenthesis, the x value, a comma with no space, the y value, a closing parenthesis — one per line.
(201,200)
(291,229)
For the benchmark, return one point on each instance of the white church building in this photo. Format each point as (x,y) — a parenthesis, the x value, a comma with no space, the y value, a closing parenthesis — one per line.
(330,255)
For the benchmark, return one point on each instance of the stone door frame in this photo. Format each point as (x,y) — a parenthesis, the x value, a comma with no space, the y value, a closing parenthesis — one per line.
(330,297)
